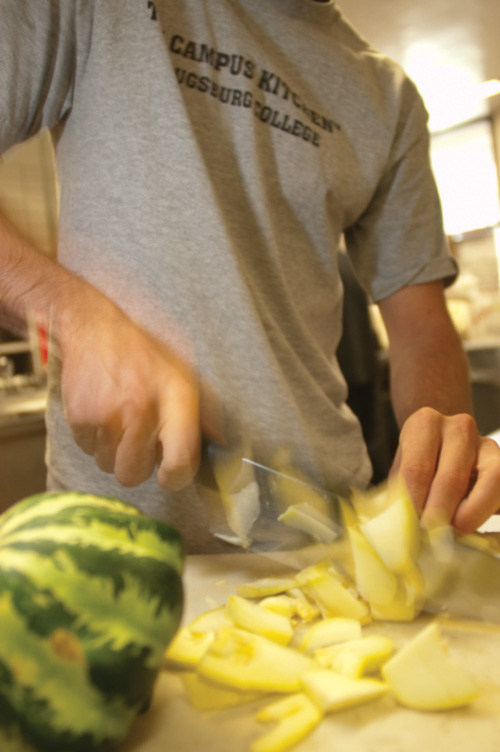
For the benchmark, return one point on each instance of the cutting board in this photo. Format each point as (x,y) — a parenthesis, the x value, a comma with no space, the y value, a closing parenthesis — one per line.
(171,724)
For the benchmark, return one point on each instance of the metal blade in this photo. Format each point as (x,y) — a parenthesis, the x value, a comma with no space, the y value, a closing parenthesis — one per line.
(461,580)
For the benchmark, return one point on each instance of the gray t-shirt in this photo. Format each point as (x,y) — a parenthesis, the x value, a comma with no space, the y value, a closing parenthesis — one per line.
(211,153)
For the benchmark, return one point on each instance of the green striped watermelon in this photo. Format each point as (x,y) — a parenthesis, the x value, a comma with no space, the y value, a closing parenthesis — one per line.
(90,597)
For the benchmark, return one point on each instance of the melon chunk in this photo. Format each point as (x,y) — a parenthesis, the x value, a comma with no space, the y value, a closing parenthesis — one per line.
(296,715)
(211,621)
(239,493)
(332,597)
(330,632)
(331,691)
(254,618)
(266,586)
(208,697)
(308,519)
(425,676)
(375,582)
(390,523)
(188,648)
(249,661)
(355,658)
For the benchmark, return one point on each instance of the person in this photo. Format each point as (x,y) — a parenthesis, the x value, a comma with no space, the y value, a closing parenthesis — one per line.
(210,156)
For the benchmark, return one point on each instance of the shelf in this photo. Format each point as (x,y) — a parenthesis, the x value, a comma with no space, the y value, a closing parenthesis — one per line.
(13,348)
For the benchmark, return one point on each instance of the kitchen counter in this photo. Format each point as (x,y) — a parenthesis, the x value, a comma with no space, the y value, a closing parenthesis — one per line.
(171,724)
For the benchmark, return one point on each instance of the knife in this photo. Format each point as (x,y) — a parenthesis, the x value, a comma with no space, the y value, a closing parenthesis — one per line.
(284,516)
(262,509)
(461,575)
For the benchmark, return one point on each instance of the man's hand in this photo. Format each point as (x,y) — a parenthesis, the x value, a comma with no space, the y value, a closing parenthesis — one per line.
(452,473)
(130,402)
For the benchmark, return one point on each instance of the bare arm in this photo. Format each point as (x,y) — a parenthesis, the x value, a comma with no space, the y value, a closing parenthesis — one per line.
(453,474)
(129,413)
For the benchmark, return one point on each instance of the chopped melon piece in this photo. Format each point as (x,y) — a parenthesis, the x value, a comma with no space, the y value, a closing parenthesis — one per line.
(279,604)
(375,582)
(356,658)
(425,676)
(208,697)
(303,607)
(211,621)
(394,533)
(331,596)
(395,611)
(296,715)
(331,691)
(249,661)
(188,648)
(251,616)
(366,503)
(330,632)
(239,492)
(266,586)
(309,520)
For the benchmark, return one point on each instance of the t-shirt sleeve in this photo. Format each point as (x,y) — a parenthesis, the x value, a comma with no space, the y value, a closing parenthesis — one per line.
(399,239)
(37,70)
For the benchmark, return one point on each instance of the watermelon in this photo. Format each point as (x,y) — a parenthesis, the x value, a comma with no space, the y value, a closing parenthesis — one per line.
(90,597)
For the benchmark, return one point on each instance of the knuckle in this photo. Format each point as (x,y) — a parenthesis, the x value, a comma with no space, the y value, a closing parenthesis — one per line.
(465,425)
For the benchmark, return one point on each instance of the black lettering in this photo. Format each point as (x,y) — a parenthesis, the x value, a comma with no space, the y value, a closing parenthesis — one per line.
(179,74)
(286,92)
(192,80)
(296,128)
(284,125)
(206,55)
(176,44)
(236,64)
(204,84)
(249,69)
(190,51)
(315,139)
(247,99)
(265,114)
(225,93)
(236,98)
(221,61)
(275,120)
(214,89)
(151,5)
(314,117)
(265,80)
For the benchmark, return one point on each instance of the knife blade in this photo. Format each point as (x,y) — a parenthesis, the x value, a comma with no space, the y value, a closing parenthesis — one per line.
(461,575)
(262,509)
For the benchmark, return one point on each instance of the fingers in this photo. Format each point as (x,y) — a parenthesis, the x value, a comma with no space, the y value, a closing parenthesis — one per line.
(439,457)
(483,498)
(132,420)
(180,438)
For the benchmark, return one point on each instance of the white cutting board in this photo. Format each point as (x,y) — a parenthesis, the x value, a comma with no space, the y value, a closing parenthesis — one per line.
(170,725)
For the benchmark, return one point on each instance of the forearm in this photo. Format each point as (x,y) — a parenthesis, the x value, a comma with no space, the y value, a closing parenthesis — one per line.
(33,285)
(430,369)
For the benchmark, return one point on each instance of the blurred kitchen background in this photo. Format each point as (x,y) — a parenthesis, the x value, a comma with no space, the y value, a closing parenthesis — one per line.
(451,49)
